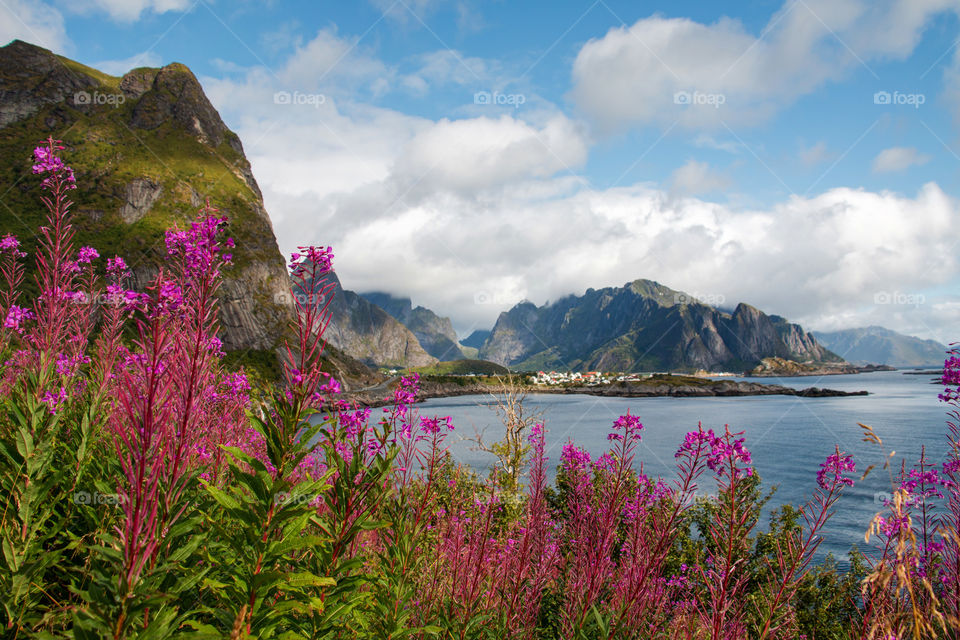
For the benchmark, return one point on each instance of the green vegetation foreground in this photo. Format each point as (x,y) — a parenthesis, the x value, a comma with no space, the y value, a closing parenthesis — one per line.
(146,496)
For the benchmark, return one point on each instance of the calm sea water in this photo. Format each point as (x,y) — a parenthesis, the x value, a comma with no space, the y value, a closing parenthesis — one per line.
(789,437)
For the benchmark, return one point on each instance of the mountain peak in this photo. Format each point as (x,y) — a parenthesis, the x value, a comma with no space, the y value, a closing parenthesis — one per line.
(148,149)
(661,294)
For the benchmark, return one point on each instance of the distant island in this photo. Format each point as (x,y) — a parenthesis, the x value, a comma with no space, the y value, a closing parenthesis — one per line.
(651,386)
(780,367)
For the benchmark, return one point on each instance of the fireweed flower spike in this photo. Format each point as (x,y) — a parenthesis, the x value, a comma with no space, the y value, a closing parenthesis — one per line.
(832,470)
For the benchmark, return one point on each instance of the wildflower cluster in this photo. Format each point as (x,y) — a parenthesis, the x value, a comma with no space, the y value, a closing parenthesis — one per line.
(301,514)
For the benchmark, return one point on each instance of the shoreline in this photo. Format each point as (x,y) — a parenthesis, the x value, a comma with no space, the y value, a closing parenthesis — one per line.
(677,387)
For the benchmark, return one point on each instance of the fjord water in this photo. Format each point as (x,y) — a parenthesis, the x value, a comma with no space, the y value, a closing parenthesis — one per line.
(788,436)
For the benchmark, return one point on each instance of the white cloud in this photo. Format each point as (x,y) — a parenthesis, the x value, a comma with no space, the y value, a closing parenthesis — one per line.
(817,154)
(696,178)
(470,215)
(34,22)
(898,159)
(121,67)
(668,71)
(129,10)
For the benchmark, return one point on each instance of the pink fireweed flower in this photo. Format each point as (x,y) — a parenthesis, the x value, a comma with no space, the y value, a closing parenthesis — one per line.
(48,162)
(630,425)
(694,440)
(16,316)
(435,425)
(321,257)
(720,452)
(198,246)
(169,298)
(929,479)
(237,385)
(117,266)
(406,392)
(832,470)
(54,400)
(86,255)
(331,386)
(354,422)
(11,246)
(951,377)
(575,458)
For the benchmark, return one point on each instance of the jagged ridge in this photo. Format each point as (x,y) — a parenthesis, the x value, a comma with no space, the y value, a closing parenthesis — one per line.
(643,326)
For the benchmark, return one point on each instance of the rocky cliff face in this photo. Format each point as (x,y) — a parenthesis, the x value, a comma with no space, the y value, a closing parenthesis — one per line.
(366,332)
(148,150)
(643,326)
(435,334)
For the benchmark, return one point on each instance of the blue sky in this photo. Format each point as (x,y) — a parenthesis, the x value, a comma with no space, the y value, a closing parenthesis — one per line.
(737,151)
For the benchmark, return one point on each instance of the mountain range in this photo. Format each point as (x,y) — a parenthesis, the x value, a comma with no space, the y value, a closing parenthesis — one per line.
(644,326)
(877,345)
(435,334)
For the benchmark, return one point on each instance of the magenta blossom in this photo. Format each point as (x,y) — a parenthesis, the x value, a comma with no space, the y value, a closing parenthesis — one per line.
(630,425)
(48,162)
(435,425)
(951,377)
(117,266)
(832,470)
(86,255)
(16,316)
(54,400)
(575,458)
(321,257)
(10,245)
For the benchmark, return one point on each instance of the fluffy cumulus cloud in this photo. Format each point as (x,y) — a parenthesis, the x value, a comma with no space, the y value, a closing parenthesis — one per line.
(667,71)
(844,255)
(470,215)
(32,21)
(898,159)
